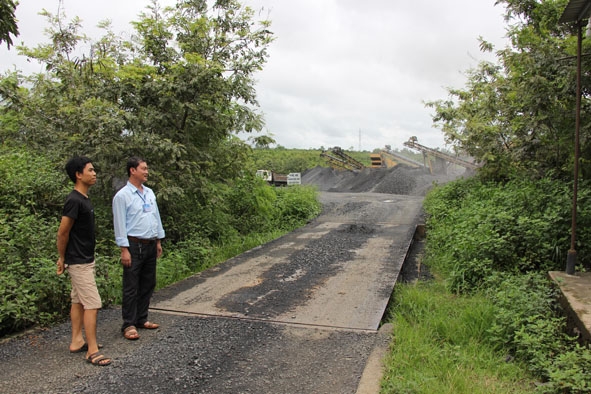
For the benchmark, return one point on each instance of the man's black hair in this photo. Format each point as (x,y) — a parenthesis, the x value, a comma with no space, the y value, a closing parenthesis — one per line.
(133,162)
(76,164)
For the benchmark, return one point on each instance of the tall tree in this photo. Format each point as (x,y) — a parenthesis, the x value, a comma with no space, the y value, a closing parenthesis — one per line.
(176,93)
(518,115)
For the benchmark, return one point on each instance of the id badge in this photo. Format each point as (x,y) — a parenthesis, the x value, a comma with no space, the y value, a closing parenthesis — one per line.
(147,207)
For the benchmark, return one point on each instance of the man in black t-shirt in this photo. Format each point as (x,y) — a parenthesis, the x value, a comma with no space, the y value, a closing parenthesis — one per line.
(75,245)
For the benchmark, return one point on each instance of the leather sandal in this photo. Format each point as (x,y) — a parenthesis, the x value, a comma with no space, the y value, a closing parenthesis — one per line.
(98,359)
(130,333)
(149,325)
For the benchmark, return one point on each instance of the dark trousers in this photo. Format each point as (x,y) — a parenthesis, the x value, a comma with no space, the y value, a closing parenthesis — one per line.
(139,282)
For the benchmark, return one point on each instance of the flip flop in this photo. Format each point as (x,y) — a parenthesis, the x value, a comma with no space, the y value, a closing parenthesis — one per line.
(130,333)
(98,359)
(149,325)
(84,348)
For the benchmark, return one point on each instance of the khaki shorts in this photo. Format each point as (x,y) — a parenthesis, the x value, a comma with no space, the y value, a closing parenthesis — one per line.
(84,290)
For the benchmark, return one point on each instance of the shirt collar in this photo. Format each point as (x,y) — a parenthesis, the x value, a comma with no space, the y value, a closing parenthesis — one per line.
(132,187)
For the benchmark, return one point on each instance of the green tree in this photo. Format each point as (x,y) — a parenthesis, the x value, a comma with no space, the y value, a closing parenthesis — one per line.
(176,94)
(518,115)
(263,141)
(8,25)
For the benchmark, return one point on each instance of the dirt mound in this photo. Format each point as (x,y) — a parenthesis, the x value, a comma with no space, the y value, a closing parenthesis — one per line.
(397,180)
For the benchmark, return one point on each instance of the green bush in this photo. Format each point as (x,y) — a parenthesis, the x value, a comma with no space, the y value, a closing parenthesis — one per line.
(569,373)
(31,196)
(250,203)
(29,181)
(295,206)
(477,228)
(500,240)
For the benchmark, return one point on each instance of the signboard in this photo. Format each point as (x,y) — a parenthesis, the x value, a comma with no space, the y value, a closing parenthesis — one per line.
(294,178)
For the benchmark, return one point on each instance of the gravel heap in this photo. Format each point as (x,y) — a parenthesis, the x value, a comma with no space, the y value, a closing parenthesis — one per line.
(397,180)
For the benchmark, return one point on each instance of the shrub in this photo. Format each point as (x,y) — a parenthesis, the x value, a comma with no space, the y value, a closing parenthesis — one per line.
(295,205)
(569,373)
(500,240)
(519,300)
(518,227)
(29,196)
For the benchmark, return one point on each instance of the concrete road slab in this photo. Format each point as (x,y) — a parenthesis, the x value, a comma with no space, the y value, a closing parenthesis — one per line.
(339,271)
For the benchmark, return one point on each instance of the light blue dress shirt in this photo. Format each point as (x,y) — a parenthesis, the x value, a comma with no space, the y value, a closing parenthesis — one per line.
(136,214)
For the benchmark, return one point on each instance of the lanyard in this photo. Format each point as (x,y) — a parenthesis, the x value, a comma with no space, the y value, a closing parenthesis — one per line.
(142,197)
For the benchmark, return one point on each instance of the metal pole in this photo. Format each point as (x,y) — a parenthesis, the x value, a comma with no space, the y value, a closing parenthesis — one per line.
(571,259)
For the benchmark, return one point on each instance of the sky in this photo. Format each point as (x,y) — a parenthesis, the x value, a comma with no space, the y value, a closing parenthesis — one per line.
(348,73)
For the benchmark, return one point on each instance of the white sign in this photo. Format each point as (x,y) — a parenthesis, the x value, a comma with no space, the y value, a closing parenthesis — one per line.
(294,178)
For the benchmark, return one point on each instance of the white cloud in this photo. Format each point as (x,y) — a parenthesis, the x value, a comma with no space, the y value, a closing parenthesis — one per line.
(341,72)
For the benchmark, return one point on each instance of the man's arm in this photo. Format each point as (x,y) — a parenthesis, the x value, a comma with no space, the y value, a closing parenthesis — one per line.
(120,227)
(63,236)
(120,220)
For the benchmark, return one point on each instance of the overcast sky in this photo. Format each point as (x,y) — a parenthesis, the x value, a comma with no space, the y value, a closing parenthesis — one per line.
(346,73)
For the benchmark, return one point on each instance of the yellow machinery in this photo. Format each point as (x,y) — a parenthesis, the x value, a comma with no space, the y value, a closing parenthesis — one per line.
(389,159)
(376,160)
(337,158)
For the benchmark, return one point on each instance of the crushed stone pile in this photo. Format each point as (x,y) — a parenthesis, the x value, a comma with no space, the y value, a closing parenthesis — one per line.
(397,180)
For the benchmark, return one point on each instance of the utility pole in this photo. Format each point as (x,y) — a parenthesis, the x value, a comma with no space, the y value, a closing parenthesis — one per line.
(359,140)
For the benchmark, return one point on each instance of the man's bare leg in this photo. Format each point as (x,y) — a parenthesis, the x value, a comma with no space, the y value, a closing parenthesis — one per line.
(77,318)
(90,316)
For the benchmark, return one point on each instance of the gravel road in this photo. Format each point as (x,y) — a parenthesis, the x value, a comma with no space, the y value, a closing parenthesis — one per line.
(245,351)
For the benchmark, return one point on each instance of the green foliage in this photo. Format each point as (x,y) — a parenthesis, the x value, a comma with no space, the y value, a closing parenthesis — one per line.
(284,161)
(517,116)
(176,94)
(295,206)
(520,226)
(251,203)
(569,373)
(8,25)
(498,241)
(440,345)
(31,199)
(28,194)
(28,182)
(530,325)
(519,299)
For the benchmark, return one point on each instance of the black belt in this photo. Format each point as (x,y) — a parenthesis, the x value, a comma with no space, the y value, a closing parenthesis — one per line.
(141,240)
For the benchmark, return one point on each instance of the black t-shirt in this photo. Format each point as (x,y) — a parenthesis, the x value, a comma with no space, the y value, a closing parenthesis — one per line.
(82,241)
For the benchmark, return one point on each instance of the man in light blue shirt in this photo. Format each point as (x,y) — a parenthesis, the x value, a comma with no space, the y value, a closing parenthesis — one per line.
(138,232)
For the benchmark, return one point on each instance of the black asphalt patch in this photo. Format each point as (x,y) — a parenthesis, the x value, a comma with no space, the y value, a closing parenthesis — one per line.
(285,286)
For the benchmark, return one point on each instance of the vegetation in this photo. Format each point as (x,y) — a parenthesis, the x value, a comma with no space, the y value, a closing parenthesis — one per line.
(492,239)
(8,26)
(441,345)
(284,161)
(491,317)
(517,115)
(176,94)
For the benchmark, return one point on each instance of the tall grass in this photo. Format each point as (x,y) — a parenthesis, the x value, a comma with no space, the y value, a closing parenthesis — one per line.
(440,345)
(491,322)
